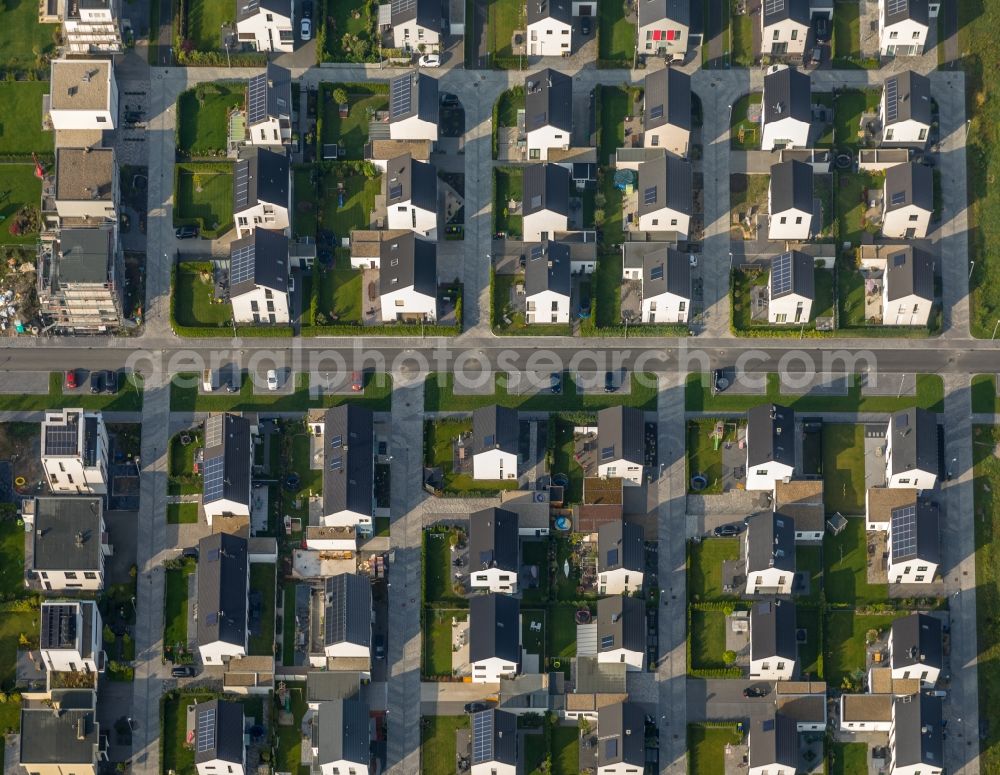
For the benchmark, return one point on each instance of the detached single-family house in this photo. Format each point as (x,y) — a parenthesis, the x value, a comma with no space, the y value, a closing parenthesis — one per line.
(218,738)
(89,26)
(907,201)
(790,201)
(548,111)
(493,550)
(773,650)
(916,649)
(494,637)
(408,279)
(907,287)
(802,501)
(227,460)
(663,28)
(261,186)
(381,152)
(64,738)
(348,441)
(74,447)
(621,439)
(547,283)
(416,25)
(665,275)
(70,636)
(880,502)
(773,744)
(770,446)
(770,554)
(791,288)
(550,28)
(340,737)
(69,542)
(666,195)
(346,612)
(914,543)
(916,735)
(86,187)
(666,110)
(494,443)
(621,631)
(911,455)
(905,109)
(621,738)
(545,201)
(784,27)
(258,277)
(223,589)
(411,199)
(265,24)
(269,107)
(786,112)
(494,743)
(621,558)
(903,26)
(414,107)
(83,94)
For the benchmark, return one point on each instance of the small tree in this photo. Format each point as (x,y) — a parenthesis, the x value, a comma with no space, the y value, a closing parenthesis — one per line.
(340,96)
(728,657)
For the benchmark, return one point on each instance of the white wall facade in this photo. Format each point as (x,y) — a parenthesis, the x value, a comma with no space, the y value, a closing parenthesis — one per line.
(410,36)
(255,306)
(265,35)
(264,215)
(494,768)
(633,660)
(216,653)
(489,671)
(68,475)
(665,308)
(914,571)
(771,769)
(540,140)
(544,222)
(225,508)
(546,307)
(626,470)
(910,222)
(269,133)
(672,42)
(784,38)
(494,580)
(494,464)
(903,131)
(763,476)
(671,138)
(790,308)
(66,580)
(347,651)
(362,523)
(665,219)
(407,301)
(619,581)
(772,668)
(784,133)
(413,128)
(769,581)
(405,215)
(342,766)
(550,38)
(70,659)
(221,767)
(619,769)
(905,38)
(908,311)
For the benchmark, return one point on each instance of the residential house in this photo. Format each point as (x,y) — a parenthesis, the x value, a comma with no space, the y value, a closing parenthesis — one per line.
(494,743)
(258,278)
(547,283)
(621,439)
(226,463)
(804,702)
(494,443)
(621,738)
(880,502)
(545,201)
(408,279)
(414,107)
(770,446)
(381,152)
(265,25)
(261,186)
(905,109)
(344,611)
(914,543)
(621,558)
(790,201)
(666,110)
(773,744)
(64,737)
(367,246)
(86,189)
(218,738)
(665,274)
(784,27)
(791,288)
(493,550)
(773,651)
(74,447)
(494,637)
(411,196)
(802,501)
(550,28)
(348,442)
(92,27)
(69,542)
(83,94)
(872,712)
(907,201)
(907,287)
(911,455)
(903,26)
(663,29)
(916,648)
(223,589)
(340,738)
(70,636)
(621,631)
(916,737)
(548,111)
(269,107)
(416,25)
(666,195)
(786,112)
(770,554)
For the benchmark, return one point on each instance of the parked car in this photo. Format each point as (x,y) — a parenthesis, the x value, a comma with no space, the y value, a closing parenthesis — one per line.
(111,381)
(182,671)
(585,26)
(291,283)
(476,707)
(186,232)
(71,383)
(430,60)
(610,386)
(724,531)
(357,381)
(272,379)
(307,9)
(96,381)
(190,551)
(555,382)
(821,26)
(756,691)
(817,56)
(379,643)
(719,381)
(305,29)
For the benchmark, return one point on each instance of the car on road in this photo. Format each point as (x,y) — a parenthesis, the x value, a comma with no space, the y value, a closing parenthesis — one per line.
(71,382)
(555,382)
(585,26)
(182,671)
(111,381)
(357,381)
(725,531)
(476,707)
(186,232)
(272,379)
(96,381)
(379,643)
(756,691)
(610,386)
(430,60)
(305,29)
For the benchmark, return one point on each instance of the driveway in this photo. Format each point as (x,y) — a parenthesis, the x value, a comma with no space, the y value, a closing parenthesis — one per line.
(723,700)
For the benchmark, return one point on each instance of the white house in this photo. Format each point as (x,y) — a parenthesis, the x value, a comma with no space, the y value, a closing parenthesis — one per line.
(74,447)
(545,202)
(907,201)
(416,25)
(70,637)
(773,743)
(790,201)
(621,739)
(83,94)
(547,283)
(218,738)
(413,107)
(621,439)
(865,712)
(621,631)
(666,195)
(266,25)
(880,502)
(911,455)
(346,610)
(258,277)
(621,558)
(907,287)
(548,111)
(261,186)
(786,112)
(791,288)
(269,107)
(340,739)
(408,279)
(223,589)
(903,26)
(348,440)
(86,187)
(905,111)
(770,446)
(91,26)
(773,651)
(493,550)
(411,199)
(665,275)
(495,434)
(914,543)
(916,736)
(663,28)
(802,501)
(784,27)
(550,28)
(494,637)
(916,649)
(494,749)
(68,542)
(666,111)
(226,462)
(769,551)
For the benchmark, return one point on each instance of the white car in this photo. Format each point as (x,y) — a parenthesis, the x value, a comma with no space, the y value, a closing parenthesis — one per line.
(291,283)
(272,379)
(305,29)
(430,60)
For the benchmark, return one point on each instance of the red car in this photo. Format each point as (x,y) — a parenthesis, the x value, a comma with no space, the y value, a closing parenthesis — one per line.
(71,383)
(357,382)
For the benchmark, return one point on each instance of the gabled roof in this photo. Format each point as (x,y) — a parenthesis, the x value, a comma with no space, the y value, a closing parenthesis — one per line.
(774,740)
(909,184)
(247,9)
(348,460)
(494,427)
(770,435)
(666,271)
(413,94)
(621,735)
(915,533)
(621,435)
(776,11)
(542,10)
(907,98)
(792,273)
(260,176)
(494,737)
(917,724)
(493,628)
(222,589)
(218,732)
(787,94)
(493,540)
(226,459)
(666,99)
(67,534)
(791,187)
(772,630)
(347,612)
(405,262)
(620,545)
(548,100)
(258,260)
(655,11)
(914,440)
(408,180)
(621,624)
(905,10)
(909,271)
(546,187)
(771,543)
(341,732)
(269,94)
(666,182)
(548,267)
(916,640)
(427,13)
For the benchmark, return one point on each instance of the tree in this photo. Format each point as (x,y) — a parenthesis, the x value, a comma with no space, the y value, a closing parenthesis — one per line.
(728,657)
(340,95)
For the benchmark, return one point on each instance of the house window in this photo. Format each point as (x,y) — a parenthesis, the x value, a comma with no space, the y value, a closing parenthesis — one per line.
(798,220)
(673,221)
(90,575)
(904,481)
(555,306)
(71,575)
(893,35)
(781,318)
(102,119)
(656,221)
(795,34)
(888,134)
(534,153)
(916,35)
(268,293)
(652,306)
(761,472)
(921,569)
(254,306)
(682,306)
(783,219)
(781,665)
(270,306)
(922,135)
(766,666)
(270,17)
(920,578)
(914,217)
(776,35)
(399,303)
(656,141)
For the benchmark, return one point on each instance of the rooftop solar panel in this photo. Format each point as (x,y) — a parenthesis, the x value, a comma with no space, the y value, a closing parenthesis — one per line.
(607,453)
(62,439)
(649,195)
(400,96)
(537,251)
(213,430)
(891,95)
(214,479)
(395,192)
(206,730)
(241,264)
(337,441)
(903,529)
(402,6)
(656,273)
(257,99)
(656,111)
(773,6)
(781,274)
(898,198)
(241,184)
(896,6)
(482,736)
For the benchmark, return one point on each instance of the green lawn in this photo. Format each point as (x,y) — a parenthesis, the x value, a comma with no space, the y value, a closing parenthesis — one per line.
(175,607)
(705,567)
(613,109)
(563,461)
(504,17)
(846,562)
(180,464)
(207,200)
(288,751)
(849,105)
(288,624)
(182,513)
(205,19)
(741,29)
(338,293)
(809,562)
(708,639)
(844,468)
(11,565)
(12,626)
(437,742)
(748,190)
(184,396)
(847,758)
(986,469)
(305,218)
(342,26)
(22,101)
(508,181)
(508,104)
(809,619)
(437,568)
(19,188)
(707,748)
(178,756)
(127,399)
(984,394)
(565,750)
(359,201)
(24,42)
(851,197)
(437,640)
(738,121)
(438,438)
(350,132)
(194,297)
(562,634)
(202,114)
(533,641)
(616,35)
(534,753)
(845,642)
(262,580)
(846,30)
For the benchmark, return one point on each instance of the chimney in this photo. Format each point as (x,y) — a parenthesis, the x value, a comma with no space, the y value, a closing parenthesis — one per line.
(81,728)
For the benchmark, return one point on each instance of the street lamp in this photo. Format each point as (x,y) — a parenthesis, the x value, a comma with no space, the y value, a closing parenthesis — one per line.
(972,266)
(225,41)
(995,330)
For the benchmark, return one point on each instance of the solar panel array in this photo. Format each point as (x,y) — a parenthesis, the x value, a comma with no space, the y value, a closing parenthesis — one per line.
(898,197)
(400,96)
(607,453)
(768,725)
(395,192)
(257,99)
(537,251)
(649,195)
(891,95)
(656,111)
(656,273)
(894,7)
(337,441)
(482,736)
(336,611)
(607,641)
(773,6)
(612,557)
(241,264)
(214,478)
(241,184)
(781,274)
(61,440)
(903,528)
(213,430)
(611,747)
(402,6)
(206,730)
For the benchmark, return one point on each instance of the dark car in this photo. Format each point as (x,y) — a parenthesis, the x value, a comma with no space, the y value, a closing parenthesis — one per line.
(190,551)
(186,232)
(476,707)
(585,26)
(71,383)
(555,382)
(719,380)
(379,643)
(821,26)
(182,671)
(724,531)
(756,691)
(610,384)
(307,9)
(111,381)
(96,381)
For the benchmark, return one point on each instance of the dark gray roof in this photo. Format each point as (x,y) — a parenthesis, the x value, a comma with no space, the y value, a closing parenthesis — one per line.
(779,10)
(666,182)
(426,12)
(222,589)
(787,93)
(771,542)
(774,741)
(621,624)
(53,737)
(409,180)
(246,9)
(546,187)
(548,267)
(772,630)
(413,94)
(493,628)
(269,95)
(915,533)
(621,429)
(493,540)
(907,98)
(218,731)
(620,545)
(59,625)
(261,176)
(548,100)
(770,435)
(341,731)
(914,441)
(791,187)
(86,255)
(653,11)
(917,724)
(67,534)
(407,261)
(349,460)
(258,260)
(793,273)
(909,184)
(227,459)
(909,271)
(621,735)
(902,10)
(494,427)
(323,685)
(916,640)
(667,99)
(540,10)
(347,613)
(666,271)
(494,737)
